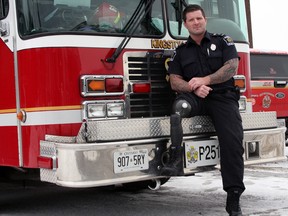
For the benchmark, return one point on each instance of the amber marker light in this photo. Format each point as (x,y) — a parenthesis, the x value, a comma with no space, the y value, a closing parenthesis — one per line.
(21,116)
(96,85)
(240,81)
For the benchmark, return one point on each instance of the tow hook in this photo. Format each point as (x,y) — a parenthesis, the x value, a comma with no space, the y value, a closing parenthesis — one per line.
(155,184)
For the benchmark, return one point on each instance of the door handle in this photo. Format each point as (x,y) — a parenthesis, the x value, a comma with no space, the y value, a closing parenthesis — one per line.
(280,83)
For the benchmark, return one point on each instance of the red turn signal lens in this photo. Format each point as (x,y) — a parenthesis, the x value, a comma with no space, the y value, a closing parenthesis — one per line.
(114,85)
(141,87)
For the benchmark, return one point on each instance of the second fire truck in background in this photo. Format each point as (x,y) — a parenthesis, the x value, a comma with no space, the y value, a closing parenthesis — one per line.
(269,82)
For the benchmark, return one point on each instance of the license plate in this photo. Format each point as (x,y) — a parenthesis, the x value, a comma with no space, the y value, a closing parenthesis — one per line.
(202,153)
(134,160)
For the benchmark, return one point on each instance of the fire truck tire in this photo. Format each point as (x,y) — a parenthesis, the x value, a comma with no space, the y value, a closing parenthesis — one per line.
(148,184)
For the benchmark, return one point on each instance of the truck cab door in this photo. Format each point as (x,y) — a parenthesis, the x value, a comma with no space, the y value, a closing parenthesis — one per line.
(9,151)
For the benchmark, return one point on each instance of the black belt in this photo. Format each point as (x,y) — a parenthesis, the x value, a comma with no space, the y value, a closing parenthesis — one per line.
(225,90)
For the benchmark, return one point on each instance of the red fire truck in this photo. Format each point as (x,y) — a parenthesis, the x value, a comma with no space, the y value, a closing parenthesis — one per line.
(269,82)
(84,97)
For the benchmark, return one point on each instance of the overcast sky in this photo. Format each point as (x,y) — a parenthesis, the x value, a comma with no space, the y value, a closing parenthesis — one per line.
(270,24)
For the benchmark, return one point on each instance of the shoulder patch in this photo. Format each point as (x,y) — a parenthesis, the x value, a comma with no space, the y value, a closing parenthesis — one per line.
(228,40)
(173,56)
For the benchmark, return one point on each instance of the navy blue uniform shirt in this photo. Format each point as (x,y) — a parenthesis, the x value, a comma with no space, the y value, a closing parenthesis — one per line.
(191,60)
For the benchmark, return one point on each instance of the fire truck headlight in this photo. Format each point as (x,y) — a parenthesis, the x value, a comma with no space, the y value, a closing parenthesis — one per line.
(242,104)
(115,109)
(96,110)
(103,109)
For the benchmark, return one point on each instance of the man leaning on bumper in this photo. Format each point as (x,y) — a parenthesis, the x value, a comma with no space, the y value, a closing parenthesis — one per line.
(201,72)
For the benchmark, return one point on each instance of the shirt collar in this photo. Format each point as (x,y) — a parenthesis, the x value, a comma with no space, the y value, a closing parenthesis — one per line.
(190,41)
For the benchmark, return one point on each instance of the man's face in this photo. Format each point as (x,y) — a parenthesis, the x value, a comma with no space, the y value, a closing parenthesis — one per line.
(195,23)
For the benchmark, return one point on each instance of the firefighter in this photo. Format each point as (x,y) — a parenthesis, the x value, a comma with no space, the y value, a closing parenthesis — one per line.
(108,18)
(201,72)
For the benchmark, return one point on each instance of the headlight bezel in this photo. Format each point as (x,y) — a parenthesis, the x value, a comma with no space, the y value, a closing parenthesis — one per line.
(103,109)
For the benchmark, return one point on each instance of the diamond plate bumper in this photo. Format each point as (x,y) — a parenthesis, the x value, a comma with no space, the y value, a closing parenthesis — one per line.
(95,131)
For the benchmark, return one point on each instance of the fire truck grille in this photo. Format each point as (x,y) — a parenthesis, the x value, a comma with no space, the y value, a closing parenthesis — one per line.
(157,102)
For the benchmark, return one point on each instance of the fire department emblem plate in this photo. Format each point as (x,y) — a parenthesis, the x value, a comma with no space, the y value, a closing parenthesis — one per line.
(201,153)
(192,155)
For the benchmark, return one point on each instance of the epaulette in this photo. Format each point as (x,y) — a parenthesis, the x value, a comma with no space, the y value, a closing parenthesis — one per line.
(228,40)
(182,44)
(217,35)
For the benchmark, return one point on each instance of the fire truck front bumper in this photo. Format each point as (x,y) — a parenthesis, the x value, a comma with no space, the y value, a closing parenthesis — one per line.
(99,164)
(129,150)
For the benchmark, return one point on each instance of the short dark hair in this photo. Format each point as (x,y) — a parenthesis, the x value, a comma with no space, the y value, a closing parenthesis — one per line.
(192,8)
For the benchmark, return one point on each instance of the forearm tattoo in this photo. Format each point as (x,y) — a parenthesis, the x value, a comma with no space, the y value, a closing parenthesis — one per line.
(228,70)
(178,84)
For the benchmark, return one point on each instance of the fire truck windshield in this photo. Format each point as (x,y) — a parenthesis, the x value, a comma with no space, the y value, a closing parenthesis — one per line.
(269,65)
(145,18)
(42,17)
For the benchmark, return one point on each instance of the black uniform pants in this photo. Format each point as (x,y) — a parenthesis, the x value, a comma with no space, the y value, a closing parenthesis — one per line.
(223,109)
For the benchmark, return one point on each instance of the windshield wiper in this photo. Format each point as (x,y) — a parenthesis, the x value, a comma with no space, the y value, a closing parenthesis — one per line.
(131,27)
(178,6)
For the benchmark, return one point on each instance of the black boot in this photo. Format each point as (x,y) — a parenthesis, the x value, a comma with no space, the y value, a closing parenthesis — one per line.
(174,167)
(233,203)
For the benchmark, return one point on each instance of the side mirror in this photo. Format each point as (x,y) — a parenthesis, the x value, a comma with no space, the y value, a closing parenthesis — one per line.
(4,29)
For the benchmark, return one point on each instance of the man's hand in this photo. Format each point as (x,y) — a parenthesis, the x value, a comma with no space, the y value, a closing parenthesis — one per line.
(198,85)
(197,82)
(202,91)
(226,72)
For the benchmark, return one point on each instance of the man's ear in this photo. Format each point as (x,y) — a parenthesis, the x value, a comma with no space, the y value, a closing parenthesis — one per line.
(184,23)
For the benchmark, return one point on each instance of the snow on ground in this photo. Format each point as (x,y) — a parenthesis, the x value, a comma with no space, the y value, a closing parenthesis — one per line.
(266,189)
